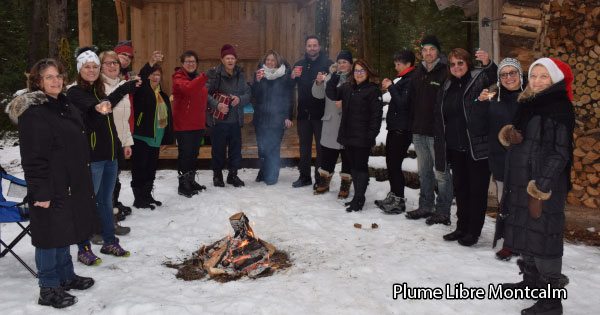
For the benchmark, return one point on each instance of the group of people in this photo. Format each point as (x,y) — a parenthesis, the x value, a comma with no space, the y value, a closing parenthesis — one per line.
(465,122)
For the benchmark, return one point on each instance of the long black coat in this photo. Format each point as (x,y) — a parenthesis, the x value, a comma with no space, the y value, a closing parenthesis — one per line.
(144,109)
(55,159)
(537,167)
(475,116)
(501,113)
(362,111)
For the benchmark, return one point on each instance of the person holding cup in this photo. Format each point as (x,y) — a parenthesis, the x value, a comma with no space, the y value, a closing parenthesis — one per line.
(272,92)
(310,109)
(89,96)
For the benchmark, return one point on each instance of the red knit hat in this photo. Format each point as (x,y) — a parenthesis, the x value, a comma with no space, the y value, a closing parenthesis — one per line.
(228,50)
(566,70)
(124,46)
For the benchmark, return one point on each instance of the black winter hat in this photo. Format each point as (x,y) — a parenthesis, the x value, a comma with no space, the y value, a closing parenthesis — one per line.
(431,40)
(346,55)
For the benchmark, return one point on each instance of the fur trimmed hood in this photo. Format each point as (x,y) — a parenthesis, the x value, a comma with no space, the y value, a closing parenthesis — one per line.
(21,103)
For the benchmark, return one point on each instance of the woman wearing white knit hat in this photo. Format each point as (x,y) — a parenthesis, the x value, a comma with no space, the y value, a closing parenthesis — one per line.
(537,179)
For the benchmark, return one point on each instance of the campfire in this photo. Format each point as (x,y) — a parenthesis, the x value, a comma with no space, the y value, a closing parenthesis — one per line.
(230,258)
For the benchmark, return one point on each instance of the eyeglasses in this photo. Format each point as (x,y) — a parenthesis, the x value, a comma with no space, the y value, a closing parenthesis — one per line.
(190,62)
(360,71)
(458,63)
(111,63)
(126,55)
(157,75)
(512,74)
(50,77)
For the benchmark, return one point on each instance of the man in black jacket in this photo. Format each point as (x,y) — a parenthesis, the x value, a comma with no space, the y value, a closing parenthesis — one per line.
(398,137)
(310,109)
(427,80)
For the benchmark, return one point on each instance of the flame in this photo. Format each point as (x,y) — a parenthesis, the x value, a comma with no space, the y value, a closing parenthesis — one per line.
(240,258)
(244,243)
(251,233)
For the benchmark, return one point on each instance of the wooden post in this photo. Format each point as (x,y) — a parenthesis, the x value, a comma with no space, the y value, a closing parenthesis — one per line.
(335,28)
(498,11)
(84,11)
(485,32)
(122,19)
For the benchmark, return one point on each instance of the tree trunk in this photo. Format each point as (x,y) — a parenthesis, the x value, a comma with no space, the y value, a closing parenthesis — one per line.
(38,20)
(365,21)
(57,26)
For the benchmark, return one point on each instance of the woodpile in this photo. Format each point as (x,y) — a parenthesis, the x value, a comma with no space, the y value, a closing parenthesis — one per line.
(585,173)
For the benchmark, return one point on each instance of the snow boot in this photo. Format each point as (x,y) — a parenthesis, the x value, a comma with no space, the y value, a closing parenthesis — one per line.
(548,306)
(195,185)
(396,206)
(55,297)
(361,181)
(259,177)
(116,203)
(323,183)
(148,189)
(218,178)
(530,276)
(119,216)
(140,201)
(387,199)
(345,186)
(301,182)
(233,179)
(185,186)
(438,219)
(77,283)
(420,213)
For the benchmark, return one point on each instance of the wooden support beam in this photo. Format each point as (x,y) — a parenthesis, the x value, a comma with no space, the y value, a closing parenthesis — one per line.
(486,10)
(335,28)
(498,4)
(122,19)
(84,12)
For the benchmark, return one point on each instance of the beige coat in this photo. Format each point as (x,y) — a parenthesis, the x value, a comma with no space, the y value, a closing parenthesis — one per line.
(121,112)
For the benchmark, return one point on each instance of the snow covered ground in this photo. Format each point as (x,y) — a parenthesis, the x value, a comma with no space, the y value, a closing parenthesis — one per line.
(337,268)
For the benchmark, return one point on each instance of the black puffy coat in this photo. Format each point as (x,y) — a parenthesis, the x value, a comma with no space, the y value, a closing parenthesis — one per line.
(144,109)
(426,86)
(102,135)
(55,159)
(500,114)
(309,107)
(475,115)
(398,114)
(538,167)
(362,111)
(273,100)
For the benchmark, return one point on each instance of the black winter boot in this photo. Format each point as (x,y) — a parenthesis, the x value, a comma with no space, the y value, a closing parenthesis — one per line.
(185,186)
(360,181)
(195,186)
(148,188)
(233,179)
(140,200)
(548,306)
(55,297)
(218,178)
(116,203)
(77,283)
(530,276)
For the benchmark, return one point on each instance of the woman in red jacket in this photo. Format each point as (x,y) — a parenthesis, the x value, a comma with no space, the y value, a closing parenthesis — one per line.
(189,120)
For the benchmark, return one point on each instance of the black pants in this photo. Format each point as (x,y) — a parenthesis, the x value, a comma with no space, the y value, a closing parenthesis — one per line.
(396,147)
(306,130)
(358,158)
(226,139)
(144,162)
(329,159)
(121,165)
(471,181)
(548,268)
(188,145)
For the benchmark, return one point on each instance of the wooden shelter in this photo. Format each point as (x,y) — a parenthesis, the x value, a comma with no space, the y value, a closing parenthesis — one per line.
(251,26)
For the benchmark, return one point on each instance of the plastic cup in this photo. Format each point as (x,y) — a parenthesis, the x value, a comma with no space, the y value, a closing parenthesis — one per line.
(299,69)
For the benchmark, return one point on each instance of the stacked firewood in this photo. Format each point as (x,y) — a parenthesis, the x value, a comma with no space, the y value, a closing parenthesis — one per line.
(573,35)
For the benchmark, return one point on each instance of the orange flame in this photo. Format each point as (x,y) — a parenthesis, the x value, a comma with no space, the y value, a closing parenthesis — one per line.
(240,258)
(244,243)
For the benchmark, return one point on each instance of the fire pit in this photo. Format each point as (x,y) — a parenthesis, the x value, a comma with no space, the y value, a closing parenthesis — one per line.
(231,258)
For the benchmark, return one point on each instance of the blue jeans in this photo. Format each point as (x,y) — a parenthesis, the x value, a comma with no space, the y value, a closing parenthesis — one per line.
(104,176)
(269,146)
(427,174)
(54,266)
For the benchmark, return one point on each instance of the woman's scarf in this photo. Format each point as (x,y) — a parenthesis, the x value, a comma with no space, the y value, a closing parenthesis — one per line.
(161,109)
(275,73)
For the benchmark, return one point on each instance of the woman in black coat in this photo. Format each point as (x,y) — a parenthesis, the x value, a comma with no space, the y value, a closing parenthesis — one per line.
(55,159)
(362,111)
(89,97)
(461,141)
(152,131)
(537,179)
(272,93)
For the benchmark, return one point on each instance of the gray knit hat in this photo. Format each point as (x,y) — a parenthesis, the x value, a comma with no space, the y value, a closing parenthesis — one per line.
(509,62)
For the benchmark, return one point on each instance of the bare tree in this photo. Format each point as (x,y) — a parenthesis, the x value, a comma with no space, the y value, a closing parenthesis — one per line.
(38,20)
(57,26)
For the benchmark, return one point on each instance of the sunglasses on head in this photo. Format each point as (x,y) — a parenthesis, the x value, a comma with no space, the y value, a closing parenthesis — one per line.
(458,63)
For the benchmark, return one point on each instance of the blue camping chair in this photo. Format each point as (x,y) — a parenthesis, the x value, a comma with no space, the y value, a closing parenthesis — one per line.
(14,212)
